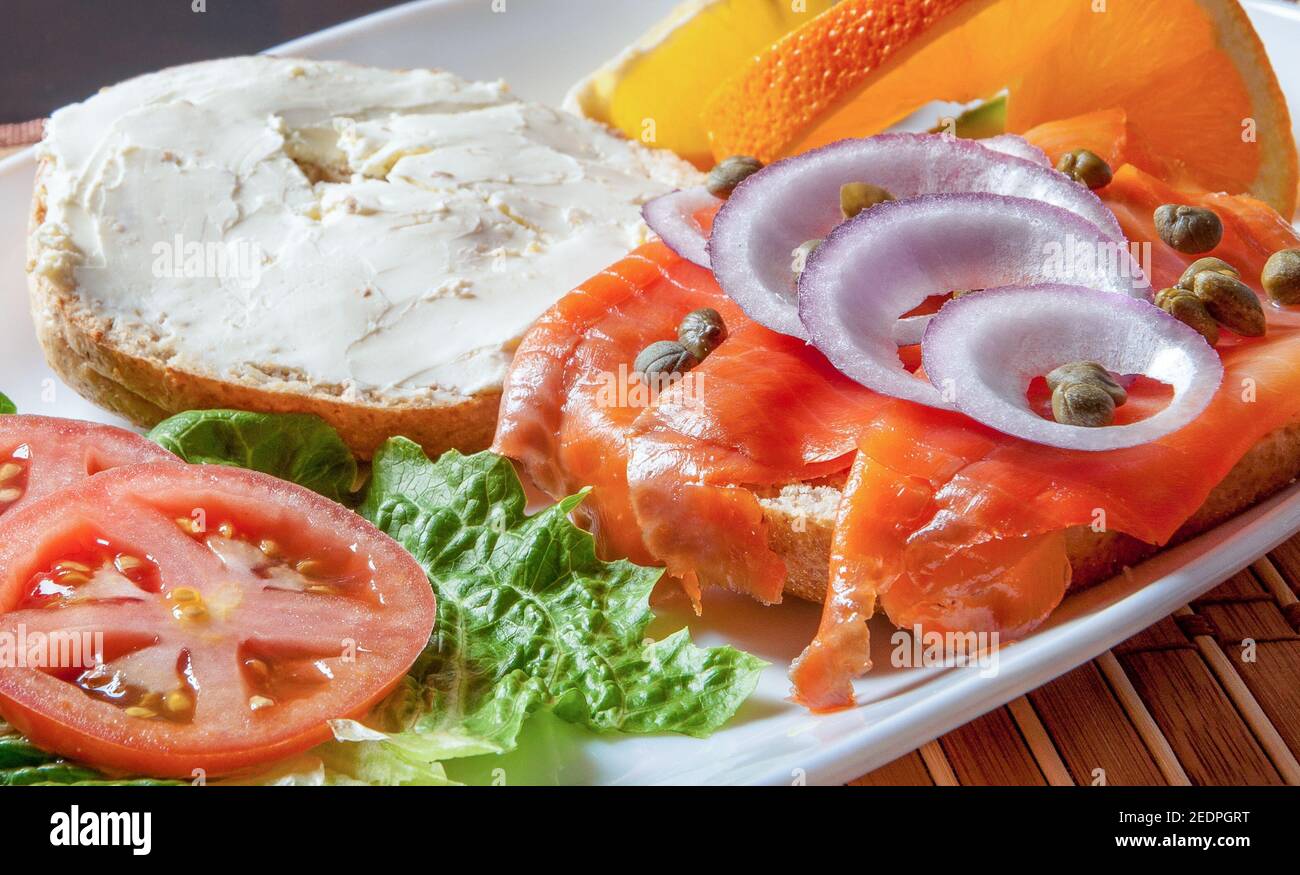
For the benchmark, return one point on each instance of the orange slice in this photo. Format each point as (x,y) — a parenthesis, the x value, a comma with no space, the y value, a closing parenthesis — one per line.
(652,90)
(1191,77)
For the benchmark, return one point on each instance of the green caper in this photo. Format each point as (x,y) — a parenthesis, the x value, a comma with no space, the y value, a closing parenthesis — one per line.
(858,196)
(1085,167)
(701,331)
(1083,404)
(1184,306)
(1218,265)
(731,172)
(1165,294)
(1087,372)
(663,358)
(1232,303)
(799,257)
(1281,277)
(1188,229)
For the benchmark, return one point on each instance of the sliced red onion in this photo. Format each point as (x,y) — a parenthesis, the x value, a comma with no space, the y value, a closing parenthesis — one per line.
(1017,146)
(672,217)
(986,348)
(890,258)
(797,199)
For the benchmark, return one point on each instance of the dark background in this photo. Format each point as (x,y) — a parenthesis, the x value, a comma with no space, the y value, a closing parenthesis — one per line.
(54,52)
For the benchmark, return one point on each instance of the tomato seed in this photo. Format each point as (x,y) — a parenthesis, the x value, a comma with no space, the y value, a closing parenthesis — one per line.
(177,700)
(226,530)
(126,563)
(257,667)
(142,713)
(310,567)
(256,703)
(269,547)
(10,494)
(10,470)
(185,594)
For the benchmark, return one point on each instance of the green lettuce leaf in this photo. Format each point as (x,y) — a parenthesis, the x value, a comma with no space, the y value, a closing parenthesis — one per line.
(529,618)
(6,406)
(345,763)
(297,447)
(23,763)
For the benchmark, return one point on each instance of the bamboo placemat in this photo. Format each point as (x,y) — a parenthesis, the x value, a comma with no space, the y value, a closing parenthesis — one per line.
(1209,695)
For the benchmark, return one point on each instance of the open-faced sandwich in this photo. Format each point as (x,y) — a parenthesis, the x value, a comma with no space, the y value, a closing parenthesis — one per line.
(315,237)
(943,378)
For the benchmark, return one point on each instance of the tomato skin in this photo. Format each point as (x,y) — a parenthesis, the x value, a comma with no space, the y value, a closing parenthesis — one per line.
(386,604)
(60,452)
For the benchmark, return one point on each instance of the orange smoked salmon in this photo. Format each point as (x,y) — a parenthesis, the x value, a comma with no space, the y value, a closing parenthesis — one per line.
(944,523)
(671,477)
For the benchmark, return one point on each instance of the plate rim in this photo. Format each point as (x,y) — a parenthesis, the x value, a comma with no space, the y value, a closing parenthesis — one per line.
(1221,552)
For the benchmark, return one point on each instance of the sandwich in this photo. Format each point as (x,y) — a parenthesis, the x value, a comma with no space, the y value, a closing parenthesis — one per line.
(947,379)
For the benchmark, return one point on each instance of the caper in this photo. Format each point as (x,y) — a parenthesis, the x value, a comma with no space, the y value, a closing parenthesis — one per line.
(731,172)
(1087,372)
(1218,265)
(1188,229)
(858,196)
(1085,167)
(1083,404)
(799,257)
(1184,306)
(1232,303)
(664,357)
(701,331)
(1281,277)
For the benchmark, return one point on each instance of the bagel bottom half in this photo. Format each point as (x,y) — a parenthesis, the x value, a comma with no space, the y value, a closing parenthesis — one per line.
(137,382)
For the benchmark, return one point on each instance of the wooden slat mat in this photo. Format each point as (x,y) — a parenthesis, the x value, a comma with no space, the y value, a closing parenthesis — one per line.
(1209,695)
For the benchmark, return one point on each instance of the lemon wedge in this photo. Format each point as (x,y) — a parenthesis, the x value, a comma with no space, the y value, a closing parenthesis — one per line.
(655,89)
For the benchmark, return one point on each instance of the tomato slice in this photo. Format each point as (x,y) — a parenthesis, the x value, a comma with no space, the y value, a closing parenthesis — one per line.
(41,454)
(236,614)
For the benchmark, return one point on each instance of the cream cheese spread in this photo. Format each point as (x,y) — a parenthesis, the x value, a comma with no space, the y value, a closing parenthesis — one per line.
(347,229)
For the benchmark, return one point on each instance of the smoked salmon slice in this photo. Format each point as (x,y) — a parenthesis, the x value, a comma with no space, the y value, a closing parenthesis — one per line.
(570,397)
(673,472)
(769,410)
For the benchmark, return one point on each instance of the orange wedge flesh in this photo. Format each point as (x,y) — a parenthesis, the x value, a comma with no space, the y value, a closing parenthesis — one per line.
(1191,76)
(652,90)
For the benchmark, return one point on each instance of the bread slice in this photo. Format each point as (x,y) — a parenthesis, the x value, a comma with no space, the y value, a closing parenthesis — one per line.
(373,324)
(801,519)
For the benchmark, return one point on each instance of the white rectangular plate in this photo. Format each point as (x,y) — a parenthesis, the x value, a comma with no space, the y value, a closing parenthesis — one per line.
(541,47)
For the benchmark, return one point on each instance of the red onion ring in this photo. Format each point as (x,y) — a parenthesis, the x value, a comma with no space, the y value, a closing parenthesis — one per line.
(797,199)
(1016,146)
(885,262)
(986,348)
(672,217)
